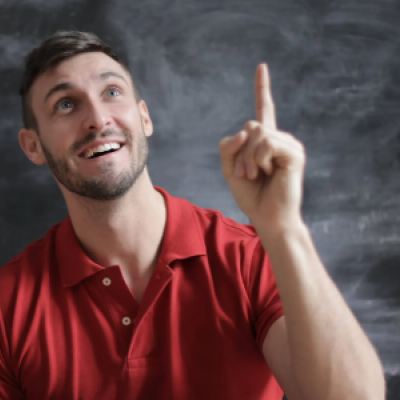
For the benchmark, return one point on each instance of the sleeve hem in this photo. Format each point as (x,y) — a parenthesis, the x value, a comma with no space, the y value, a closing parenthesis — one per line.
(263,333)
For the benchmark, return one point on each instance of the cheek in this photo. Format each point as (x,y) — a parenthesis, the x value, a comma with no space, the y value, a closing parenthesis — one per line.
(57,140)
(127,116)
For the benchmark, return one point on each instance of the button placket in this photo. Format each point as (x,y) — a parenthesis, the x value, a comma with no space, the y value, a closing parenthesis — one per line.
(118,301)
(143,333)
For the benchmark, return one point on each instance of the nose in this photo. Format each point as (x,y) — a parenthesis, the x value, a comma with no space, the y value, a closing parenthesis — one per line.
(96,117)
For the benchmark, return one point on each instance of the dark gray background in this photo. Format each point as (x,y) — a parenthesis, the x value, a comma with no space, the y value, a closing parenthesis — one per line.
(335,69)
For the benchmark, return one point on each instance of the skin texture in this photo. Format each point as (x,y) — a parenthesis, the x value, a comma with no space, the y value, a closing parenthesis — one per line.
(62,115)
(95,188)
(83,112)
(317,350)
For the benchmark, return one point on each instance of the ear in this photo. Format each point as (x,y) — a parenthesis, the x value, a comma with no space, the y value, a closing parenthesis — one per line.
(30,144)
(144,113)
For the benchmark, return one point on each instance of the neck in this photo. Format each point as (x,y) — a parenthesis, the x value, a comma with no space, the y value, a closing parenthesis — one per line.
(127,231)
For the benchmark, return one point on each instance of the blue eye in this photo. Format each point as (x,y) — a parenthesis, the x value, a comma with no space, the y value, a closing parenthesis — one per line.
(114,92)
(64,105)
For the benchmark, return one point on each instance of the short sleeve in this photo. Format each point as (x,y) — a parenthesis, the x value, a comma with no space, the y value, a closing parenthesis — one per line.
(262,290)
(9,389)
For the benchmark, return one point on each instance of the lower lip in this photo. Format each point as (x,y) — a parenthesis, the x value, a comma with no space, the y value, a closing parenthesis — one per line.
(104,156)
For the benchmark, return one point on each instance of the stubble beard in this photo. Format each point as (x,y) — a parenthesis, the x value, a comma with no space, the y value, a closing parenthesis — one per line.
(109,186)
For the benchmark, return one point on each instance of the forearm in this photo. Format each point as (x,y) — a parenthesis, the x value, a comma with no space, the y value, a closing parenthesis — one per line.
(331,356)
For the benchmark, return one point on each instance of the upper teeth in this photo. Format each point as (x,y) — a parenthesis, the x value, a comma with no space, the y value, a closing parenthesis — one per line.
(101,148)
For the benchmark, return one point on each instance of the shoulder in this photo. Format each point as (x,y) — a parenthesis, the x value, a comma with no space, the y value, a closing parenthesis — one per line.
(26,269)
(238,245)
(205,225)
(209,229)
(214,220)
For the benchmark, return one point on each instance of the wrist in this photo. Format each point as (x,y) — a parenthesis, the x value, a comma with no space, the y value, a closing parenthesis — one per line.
(280,227)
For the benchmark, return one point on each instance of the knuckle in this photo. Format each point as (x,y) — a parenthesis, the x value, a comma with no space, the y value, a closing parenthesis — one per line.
(257,134)
(288,135)
(299,145)
(240,158)
(260,131)
(293,138)
(251,125)
(260,154)
(265,142)
(247,156)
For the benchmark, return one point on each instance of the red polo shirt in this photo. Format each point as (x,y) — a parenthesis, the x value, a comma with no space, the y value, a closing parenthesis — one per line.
(71,329)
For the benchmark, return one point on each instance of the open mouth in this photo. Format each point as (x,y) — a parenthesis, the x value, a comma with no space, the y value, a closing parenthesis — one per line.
(101,150)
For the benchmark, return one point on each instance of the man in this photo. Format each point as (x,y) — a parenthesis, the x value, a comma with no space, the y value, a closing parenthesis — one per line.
(140,295)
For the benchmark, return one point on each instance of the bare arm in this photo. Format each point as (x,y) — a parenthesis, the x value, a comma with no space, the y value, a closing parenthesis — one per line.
(318,351)
(328,354)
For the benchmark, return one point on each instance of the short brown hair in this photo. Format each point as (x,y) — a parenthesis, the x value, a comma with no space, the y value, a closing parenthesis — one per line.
(57,48)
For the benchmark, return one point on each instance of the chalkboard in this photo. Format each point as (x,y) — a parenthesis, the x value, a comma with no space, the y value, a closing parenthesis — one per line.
(336,83)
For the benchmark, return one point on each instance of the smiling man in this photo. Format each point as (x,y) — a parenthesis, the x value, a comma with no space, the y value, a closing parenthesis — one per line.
(141,295)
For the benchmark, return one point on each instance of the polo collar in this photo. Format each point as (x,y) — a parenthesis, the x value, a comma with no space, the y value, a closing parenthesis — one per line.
(182,236)
(72,261)
(182,239)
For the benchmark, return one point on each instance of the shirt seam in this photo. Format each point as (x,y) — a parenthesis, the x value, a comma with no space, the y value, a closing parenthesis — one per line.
(229,224)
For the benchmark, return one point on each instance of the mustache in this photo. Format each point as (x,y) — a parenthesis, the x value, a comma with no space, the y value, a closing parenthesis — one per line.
(93,136)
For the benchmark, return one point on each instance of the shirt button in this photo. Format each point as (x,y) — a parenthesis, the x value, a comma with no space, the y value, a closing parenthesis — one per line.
(126,321)
(106,281)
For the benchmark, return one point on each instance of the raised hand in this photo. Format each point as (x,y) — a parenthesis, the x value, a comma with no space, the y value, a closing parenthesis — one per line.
(263,166)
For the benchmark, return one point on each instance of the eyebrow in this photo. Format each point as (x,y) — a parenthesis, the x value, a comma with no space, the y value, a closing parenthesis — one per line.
(67,85)
(57,88)
(107,74)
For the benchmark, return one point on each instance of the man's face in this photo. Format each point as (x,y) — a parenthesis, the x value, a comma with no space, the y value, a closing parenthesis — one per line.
(92,133)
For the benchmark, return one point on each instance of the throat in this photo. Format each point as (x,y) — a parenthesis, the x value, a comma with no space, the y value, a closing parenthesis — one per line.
(137,282)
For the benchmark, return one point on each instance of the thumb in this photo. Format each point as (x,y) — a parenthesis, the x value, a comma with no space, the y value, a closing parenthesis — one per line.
(229,148)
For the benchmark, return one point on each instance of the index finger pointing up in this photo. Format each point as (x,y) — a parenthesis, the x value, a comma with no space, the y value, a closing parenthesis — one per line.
(265,108)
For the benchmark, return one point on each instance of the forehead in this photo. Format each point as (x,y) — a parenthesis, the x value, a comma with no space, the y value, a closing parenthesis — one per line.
(79,70)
